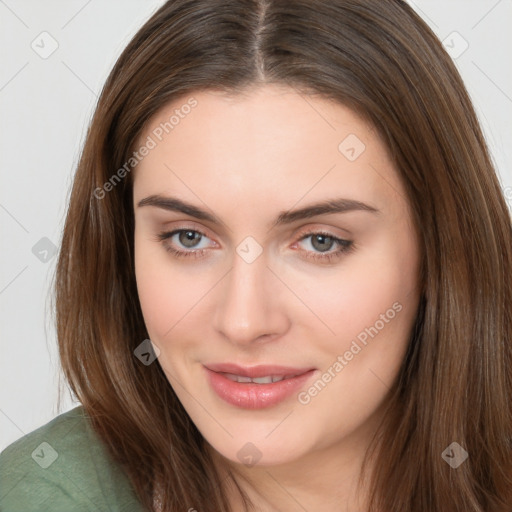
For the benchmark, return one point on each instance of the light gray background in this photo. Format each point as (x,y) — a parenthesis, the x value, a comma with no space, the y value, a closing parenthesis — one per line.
(46,105)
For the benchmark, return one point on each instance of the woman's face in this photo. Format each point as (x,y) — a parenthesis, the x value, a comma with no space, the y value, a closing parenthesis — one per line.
(264,278)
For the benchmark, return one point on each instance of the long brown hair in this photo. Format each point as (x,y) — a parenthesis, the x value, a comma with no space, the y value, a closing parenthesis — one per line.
(382,60)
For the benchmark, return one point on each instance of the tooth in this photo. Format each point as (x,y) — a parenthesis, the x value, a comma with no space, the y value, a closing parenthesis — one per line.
(263,380)
(231,376)
(269,379)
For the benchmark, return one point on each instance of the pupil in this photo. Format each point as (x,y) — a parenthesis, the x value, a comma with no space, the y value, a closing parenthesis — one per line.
(189,236)
(322,239)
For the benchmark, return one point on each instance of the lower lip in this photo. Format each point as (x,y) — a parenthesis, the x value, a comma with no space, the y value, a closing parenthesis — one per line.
(255,396)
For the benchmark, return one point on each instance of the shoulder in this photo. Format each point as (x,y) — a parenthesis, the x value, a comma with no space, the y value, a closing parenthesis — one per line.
(63,465)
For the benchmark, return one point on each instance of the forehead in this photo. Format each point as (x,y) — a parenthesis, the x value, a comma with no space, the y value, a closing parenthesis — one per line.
(260,113)
(270,142)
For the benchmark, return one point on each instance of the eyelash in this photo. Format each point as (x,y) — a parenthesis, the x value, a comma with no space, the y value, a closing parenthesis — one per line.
(344,246)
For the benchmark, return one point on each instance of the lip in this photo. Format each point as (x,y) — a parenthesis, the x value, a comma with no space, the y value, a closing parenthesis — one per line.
(257,371)
(252,395)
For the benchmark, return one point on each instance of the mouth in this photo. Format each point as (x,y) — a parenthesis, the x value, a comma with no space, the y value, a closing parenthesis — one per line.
(267,379)
(256,387)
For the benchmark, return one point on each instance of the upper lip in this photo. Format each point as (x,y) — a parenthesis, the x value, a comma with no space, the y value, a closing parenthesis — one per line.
(257,371)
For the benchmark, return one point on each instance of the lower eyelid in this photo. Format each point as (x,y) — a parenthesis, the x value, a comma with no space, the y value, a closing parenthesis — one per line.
(171,234)
(337,241)
(340,243)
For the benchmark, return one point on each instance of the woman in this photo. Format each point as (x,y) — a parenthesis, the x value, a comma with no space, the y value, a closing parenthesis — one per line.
(285,276)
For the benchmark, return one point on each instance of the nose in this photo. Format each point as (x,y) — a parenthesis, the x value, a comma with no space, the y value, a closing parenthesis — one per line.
(249,308)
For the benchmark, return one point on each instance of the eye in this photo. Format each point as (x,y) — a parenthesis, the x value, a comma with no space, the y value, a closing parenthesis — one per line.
(185,238)
(189,239)
(323,242)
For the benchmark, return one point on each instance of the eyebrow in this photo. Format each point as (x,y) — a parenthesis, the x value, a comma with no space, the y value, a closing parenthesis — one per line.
(330,206)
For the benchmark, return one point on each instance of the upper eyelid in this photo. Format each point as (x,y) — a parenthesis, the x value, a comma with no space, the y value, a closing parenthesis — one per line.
(174,231)
(303,234)
(194,226)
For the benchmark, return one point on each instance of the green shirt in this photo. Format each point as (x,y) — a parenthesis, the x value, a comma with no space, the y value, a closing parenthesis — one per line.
(63,467)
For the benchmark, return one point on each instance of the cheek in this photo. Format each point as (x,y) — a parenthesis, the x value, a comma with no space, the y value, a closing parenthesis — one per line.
(371,310)
(370,306)
(165,293)
(360,291)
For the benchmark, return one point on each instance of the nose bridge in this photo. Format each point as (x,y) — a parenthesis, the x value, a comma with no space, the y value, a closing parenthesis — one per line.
(246,310)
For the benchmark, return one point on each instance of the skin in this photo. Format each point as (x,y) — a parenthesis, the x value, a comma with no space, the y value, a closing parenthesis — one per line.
(247,158)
